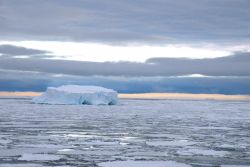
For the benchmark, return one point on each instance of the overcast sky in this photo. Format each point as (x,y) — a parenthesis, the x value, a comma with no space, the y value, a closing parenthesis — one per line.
(55,39)
(119,21)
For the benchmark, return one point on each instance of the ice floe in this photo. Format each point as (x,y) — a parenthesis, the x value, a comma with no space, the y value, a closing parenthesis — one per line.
(39,157)
(142,164)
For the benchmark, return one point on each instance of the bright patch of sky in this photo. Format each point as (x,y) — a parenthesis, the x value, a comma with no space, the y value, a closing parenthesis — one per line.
(97,52)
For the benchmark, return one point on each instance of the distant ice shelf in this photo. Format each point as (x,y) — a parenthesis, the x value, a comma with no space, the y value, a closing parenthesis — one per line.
(78,95)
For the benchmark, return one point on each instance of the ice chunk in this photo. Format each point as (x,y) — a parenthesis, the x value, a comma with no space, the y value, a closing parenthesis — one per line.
(39,157)
(196,151)
(170,143)
(142,164)
(76,94)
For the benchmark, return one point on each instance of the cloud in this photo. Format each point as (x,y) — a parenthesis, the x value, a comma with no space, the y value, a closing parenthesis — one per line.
(12,51)
(115,21)
(134,53)
(234,65)
(30,81)
(237,64)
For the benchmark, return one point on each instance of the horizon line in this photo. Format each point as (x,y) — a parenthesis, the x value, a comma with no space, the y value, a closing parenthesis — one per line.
(149,96)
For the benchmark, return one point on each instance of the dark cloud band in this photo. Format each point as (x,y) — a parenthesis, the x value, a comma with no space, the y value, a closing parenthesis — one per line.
(30,81)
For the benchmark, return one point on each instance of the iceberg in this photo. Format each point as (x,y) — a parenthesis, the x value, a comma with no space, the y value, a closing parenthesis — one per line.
(76,94)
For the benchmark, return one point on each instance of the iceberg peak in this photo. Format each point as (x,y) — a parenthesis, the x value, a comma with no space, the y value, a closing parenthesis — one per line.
(77,94)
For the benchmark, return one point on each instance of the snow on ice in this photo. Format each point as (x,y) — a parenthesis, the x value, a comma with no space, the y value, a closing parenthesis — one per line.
(75,94)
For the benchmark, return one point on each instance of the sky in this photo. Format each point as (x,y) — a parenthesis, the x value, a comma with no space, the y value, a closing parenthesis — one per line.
(133,46)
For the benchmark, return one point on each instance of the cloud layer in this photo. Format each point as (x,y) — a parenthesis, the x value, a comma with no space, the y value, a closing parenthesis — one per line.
(37,72)
(117,21)
(30,81)
(234,65)
(10,50)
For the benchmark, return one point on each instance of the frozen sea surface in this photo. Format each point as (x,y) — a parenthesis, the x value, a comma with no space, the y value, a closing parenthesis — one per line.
(169,133)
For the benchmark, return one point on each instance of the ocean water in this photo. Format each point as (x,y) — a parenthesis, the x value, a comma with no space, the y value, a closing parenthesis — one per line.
(159,133)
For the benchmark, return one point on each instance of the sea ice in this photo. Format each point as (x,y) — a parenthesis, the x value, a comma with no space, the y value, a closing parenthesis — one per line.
(170,143)
(35,135)
(142,164)
(203,152)
(39,157)
(75,94)
(4,141)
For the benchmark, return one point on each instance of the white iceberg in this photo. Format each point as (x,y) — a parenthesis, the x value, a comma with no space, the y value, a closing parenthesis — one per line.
(76,94)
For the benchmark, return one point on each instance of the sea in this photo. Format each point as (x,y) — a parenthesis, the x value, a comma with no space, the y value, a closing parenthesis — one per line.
(133,133)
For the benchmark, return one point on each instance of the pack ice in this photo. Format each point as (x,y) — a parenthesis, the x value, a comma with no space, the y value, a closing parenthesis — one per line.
(76,94)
